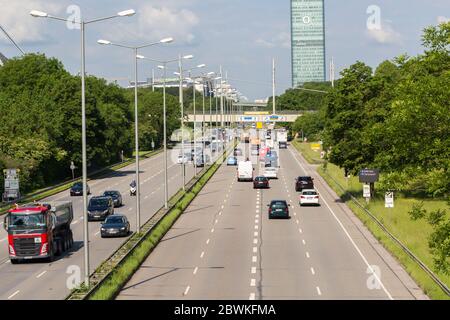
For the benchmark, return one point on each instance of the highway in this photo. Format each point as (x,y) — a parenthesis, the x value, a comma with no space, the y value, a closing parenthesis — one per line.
(40,280)
(224,247)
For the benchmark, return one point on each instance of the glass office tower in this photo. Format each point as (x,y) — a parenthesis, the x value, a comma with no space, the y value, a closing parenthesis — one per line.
(307,41)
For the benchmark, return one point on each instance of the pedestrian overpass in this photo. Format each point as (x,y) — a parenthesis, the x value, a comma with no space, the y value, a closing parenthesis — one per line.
(246,117)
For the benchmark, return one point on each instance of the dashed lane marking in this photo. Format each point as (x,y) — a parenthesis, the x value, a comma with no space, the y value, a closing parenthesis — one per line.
(253,270)
(252,296)
(312,271)
(13,295)
(304,242)
(41,274)
(207,241)
(318,291)
(195,270)
(202,254)
(254,259)
(252,282)
(255,249)
(307,254)
(187,290)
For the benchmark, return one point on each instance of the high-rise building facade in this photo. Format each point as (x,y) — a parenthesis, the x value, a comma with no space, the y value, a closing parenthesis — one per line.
(307,41)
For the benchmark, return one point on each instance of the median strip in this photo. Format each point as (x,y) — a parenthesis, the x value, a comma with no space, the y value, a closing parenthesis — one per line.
(108,279)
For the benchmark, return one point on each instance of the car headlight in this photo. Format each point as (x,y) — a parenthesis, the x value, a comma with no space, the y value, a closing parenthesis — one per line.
(102,229)
(106,211)
(122,229)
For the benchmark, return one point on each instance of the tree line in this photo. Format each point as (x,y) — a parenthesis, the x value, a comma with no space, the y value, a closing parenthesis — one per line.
(40,113)
(395,118)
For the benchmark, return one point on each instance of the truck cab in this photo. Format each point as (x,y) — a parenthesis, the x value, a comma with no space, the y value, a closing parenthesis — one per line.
(38,231)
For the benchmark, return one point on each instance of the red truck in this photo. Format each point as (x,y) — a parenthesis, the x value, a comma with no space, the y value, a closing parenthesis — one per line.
(39,231)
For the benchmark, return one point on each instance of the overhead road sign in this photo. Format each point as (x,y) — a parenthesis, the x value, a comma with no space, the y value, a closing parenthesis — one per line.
(273,117)
(248,119)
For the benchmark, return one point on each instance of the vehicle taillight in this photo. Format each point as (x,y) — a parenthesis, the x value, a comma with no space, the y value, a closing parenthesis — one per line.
(316,197)
(302,197)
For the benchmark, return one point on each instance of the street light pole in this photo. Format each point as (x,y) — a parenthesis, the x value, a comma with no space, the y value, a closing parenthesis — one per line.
(166,189)
(183,165)
(40,14)
(195,133)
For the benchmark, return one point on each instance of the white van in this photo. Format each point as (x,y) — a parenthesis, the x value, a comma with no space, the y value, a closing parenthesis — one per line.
(245,171)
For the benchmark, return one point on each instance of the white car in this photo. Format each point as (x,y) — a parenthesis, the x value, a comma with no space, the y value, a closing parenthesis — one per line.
(271,173)
(309,197)
(182,159)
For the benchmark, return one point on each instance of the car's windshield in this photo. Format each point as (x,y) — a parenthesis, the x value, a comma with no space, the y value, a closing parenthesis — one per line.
(110,193)
(98,202)
(278,205)
(261,178)
(20,221)
(77,185)
(113,219)
(309,193)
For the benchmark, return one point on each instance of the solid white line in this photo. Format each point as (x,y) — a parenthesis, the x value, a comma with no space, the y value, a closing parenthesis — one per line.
(15,293)
(253,269)
(252,282)
(41,274)
(187,290)
(203,253)
(312,271)
(350,238)
(195,270)
(252,296)
(318,291)
(254,258)
(307,254)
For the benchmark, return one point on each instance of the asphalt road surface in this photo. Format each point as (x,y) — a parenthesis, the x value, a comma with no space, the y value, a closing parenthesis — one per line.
(224,247)
(40,280)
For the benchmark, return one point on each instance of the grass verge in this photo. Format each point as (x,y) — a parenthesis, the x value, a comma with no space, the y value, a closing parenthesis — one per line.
(110,288)
(413,234)
(310,155)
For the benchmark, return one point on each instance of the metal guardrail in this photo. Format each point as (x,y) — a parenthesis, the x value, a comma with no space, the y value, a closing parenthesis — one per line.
(422,265)
(29,196)
(102,272)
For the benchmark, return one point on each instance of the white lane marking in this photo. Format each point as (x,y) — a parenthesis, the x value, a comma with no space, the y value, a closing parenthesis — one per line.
(304,242)
(203,253)
(257,216)
(252,296)
(255,233)
(254,259)
(312,271)
(255,241)
(41,274)
(295,213)
(256,221)
(300,230)
(75,222)
(14,294)
(318,291)
(97,233)
(256,227)
(187,290)
(212,230)
(220,213)
(129,209)
(252,282)
(253,270)
(297,221)
(257,210)
(222,207)
(255,249)
(207,241)
(307,254)
(145,197)
(349,237)
(4,239)
(216,221)
(195,270)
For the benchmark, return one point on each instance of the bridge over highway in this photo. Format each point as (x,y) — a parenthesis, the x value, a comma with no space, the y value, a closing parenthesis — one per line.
(257,116)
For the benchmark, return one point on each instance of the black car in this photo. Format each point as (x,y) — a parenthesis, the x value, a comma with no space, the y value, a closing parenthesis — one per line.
(116,196)
(278,209)
(260,182)
(77,189)
(303,182)
(99,208)
(115,226)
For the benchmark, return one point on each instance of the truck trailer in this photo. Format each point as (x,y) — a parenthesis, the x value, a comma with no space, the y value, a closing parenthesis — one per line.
(39,230)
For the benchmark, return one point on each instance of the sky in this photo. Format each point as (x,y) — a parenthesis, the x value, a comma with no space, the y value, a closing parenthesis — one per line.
(241,35)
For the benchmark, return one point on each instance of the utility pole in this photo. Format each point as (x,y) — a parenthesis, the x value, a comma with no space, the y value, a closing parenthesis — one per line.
(332,71)
(273,85)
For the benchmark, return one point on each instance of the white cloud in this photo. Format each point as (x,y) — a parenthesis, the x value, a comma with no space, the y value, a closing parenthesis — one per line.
(282,39)
(442,19)
(15,18)
(155,23)
(385,34)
